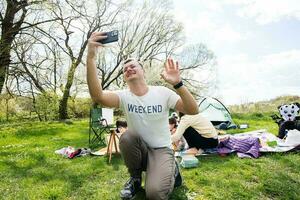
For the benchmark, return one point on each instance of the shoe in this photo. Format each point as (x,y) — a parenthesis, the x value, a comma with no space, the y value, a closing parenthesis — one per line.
(131,187)
(178,178)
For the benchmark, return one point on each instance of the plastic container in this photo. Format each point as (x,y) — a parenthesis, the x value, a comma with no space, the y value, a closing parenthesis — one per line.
(189,161)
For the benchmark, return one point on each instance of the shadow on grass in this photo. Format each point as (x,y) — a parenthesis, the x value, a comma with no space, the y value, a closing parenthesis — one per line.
(281,186)
(284,179)
(28,130)
(216,160)
(42,168)
(177,194)
(40,132)
(286,159)
(180,193)
(116,161)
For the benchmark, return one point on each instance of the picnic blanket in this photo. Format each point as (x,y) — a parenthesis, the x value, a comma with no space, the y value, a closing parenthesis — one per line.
(269,142)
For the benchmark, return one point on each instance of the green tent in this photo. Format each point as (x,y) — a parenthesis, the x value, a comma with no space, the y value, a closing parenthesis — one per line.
(213,109)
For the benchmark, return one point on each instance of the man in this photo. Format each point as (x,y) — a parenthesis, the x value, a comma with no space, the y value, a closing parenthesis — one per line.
(146,145)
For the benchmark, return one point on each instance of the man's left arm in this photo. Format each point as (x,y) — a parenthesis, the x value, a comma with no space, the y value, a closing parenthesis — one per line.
(187,103)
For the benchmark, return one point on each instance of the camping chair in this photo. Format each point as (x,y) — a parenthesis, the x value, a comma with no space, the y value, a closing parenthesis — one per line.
(99,125)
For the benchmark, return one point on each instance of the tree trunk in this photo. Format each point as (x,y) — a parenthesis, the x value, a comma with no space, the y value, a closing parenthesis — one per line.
(63,104)
(9,30)
(7,101)
(4,63)
(5,48)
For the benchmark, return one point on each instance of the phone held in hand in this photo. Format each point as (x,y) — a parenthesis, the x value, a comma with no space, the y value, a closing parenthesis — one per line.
(112,36)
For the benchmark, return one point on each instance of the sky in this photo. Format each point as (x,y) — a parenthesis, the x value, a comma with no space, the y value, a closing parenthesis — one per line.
(256,43)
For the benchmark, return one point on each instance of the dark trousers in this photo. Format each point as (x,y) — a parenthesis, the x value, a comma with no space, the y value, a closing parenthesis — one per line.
(194,139)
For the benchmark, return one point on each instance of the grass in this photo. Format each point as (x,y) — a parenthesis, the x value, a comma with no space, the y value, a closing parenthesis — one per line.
(29,169)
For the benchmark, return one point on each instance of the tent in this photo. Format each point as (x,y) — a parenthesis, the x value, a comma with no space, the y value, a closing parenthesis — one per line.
(213,109)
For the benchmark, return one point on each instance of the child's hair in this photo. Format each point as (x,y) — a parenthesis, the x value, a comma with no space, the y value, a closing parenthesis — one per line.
(120,124)
(172,120)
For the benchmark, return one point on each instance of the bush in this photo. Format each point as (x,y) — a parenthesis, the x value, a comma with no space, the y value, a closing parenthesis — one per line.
(79,108)
(8,107)
(47,106)
(253,116)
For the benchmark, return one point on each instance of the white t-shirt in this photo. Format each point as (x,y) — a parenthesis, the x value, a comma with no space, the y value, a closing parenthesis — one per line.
(147,115)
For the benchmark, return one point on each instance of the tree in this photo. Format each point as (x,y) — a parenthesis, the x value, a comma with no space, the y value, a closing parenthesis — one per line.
(197,66)
(52,58)
(103,15)
(145,33)
(149,32)
(13,15)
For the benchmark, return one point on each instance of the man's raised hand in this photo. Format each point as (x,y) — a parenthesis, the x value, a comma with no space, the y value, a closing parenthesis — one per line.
(93,44)
(171,72)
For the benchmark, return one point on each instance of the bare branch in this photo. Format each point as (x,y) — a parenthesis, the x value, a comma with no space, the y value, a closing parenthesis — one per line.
(30,25)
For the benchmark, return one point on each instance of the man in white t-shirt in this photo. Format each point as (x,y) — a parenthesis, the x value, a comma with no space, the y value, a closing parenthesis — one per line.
(146,145)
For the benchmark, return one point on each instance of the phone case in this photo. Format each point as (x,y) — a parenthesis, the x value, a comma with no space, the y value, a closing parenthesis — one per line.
(112,36)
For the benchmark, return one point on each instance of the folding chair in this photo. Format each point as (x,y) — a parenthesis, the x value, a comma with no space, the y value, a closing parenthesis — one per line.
(99,126)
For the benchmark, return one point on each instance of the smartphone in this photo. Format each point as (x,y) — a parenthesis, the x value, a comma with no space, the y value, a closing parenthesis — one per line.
(112,36)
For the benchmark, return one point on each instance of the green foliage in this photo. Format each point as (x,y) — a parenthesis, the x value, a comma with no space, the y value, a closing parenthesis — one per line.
(254,115)
(44,108)
(264,106)
(255,121)
(47,106)
(8,107)
(79,107)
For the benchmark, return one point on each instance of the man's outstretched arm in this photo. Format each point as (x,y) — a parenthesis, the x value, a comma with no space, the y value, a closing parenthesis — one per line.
(187,103)
(105,98)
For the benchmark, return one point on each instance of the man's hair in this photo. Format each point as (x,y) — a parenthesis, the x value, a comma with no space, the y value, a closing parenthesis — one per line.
(132,59)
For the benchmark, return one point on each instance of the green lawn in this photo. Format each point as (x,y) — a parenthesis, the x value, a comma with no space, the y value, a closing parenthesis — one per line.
(30,169)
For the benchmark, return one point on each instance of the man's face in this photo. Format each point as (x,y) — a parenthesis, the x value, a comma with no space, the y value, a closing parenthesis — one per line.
(132,70)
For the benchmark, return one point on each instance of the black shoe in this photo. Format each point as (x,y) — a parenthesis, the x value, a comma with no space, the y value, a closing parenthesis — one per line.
(178,178)
(131,187)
